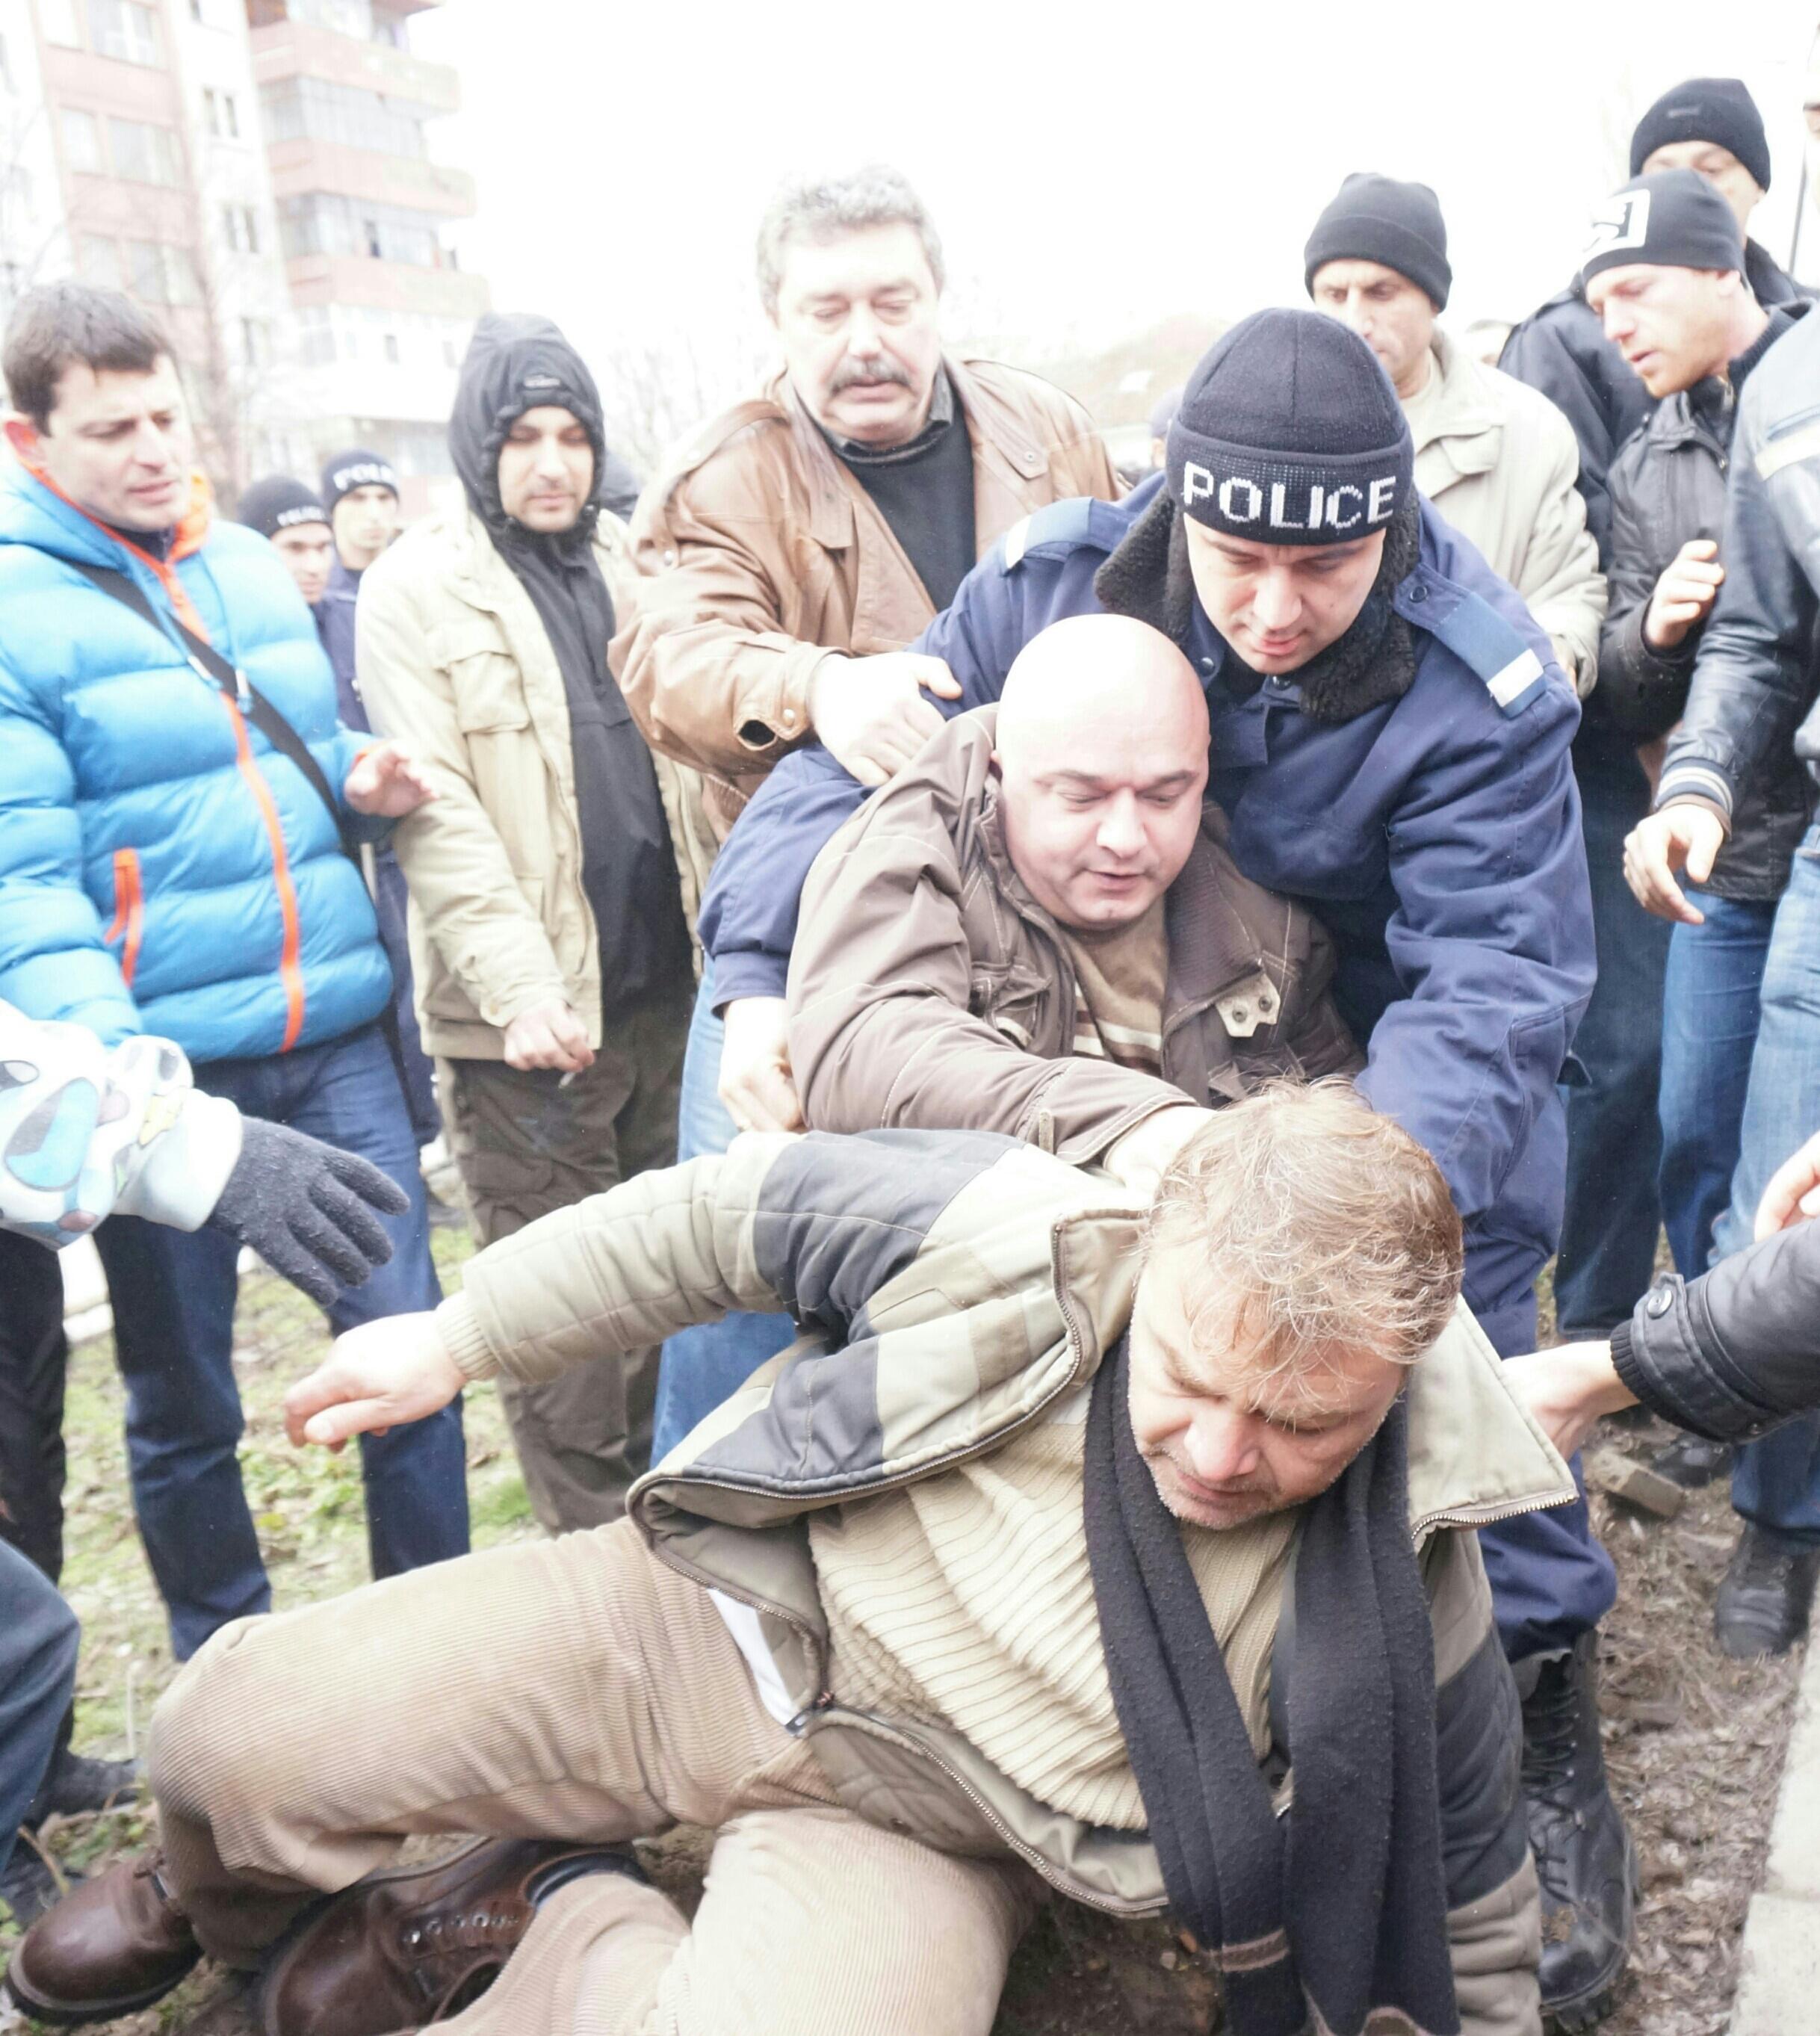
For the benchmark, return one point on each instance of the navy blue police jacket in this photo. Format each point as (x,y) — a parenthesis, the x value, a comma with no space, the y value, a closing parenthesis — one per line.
(1437,836)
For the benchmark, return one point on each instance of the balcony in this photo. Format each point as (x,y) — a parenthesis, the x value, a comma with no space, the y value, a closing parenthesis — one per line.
(289,49)
(299,167)
(385,286)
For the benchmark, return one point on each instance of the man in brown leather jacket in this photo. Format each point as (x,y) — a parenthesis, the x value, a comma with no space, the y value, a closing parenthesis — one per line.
(1037,928)
(788,550)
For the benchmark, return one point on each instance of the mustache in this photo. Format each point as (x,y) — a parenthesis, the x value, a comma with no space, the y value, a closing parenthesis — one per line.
(853,371)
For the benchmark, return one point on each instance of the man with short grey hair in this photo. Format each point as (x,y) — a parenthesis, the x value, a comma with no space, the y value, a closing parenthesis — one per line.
(788,550)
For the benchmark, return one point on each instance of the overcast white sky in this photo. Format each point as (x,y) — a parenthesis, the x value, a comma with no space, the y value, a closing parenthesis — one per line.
(1091,169)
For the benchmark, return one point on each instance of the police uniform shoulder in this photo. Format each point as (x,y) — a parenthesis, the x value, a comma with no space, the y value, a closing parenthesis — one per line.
(1488,644)
(1081,523)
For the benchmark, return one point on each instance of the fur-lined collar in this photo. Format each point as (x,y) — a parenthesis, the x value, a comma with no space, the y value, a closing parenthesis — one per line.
(1149,577)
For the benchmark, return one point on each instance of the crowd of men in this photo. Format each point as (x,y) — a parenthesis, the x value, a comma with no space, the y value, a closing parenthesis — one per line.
(1225,935)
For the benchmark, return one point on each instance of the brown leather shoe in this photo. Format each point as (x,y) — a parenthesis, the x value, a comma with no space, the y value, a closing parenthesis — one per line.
(116,1944)
(411,1946)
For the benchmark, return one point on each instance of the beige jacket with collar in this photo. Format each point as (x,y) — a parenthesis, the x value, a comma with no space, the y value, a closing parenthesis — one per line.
(1501,463)
(454,658)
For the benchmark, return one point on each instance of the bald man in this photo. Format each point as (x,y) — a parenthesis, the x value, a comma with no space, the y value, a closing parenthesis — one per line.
(1036,928)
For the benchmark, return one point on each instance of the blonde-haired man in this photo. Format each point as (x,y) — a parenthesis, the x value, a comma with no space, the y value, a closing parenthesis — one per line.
(986,1585)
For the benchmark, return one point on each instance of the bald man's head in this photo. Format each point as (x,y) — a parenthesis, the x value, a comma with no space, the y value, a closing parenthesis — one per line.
(1101,752)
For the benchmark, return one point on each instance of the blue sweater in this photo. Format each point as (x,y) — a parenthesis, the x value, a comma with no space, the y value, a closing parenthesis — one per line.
(162,868)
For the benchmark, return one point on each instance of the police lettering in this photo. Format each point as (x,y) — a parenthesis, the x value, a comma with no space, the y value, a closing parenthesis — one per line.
(1339,510)
(1254,500)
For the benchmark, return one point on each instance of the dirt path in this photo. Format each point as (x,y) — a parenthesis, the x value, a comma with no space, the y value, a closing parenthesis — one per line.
(1695,1742)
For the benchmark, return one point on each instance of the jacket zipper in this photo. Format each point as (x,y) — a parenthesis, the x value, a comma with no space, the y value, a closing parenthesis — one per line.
(128,911)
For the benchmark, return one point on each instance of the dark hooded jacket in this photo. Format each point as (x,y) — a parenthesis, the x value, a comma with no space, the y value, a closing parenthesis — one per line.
(517,362)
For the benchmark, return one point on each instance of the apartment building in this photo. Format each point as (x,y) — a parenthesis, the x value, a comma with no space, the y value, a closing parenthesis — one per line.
(257,170)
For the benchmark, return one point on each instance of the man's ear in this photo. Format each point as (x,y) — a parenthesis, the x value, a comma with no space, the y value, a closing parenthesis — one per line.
(22,436)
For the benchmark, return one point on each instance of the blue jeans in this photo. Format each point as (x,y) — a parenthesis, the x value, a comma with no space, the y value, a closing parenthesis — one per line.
(38,1641)
(1551,1579)
(173,1293)
(701,1366)
(390,899)
(1612,1217)
(1776,1481)
(1709,1014)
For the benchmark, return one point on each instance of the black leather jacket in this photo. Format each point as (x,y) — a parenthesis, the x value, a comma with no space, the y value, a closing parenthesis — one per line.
(1667,487)
(1757,672)
(1561,349)
(1735,1352)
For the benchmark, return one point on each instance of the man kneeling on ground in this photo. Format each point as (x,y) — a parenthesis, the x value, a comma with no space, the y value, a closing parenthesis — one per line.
(1124,1547)
(1037,927)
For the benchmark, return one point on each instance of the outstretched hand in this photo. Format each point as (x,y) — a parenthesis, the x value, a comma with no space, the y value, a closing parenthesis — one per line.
(1565,1390)
(378,1374)
(310,1210)
(386,783)
(1793,1192)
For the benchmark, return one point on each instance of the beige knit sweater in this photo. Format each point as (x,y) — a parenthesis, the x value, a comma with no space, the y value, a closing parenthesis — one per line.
(965,1600)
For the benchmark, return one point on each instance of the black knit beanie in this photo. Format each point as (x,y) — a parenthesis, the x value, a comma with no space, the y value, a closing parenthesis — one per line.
(343,472)
(1290,433)
(1706,109)
(277,503)
(1674,218)
(1378,219)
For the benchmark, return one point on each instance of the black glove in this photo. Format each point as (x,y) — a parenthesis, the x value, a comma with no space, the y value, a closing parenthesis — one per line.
(307,1209)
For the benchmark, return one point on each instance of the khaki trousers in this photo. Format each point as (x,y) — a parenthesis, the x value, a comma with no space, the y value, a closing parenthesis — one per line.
(526,1145)
(578,1689)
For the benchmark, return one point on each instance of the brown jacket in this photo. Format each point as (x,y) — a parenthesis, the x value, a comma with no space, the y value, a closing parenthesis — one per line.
(453,656)
(928,990)
(757,553)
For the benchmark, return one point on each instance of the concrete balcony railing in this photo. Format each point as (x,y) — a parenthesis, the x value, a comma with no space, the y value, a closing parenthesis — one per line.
(299,167)
(291,49)
(385,286)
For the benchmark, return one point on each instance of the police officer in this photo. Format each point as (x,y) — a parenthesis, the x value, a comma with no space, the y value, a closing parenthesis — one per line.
(1390,736)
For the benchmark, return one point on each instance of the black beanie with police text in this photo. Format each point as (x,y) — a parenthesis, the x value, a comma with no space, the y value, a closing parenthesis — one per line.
(1290,433)
(277,503)
(343,472)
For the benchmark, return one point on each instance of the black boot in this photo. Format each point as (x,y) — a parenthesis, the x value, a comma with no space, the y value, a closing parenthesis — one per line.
(1765,1594)
(1692,1461)
(77,1783)
(1584,1856)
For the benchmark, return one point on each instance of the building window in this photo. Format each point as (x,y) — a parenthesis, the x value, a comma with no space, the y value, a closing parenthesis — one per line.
(145,270)
(316,336)
(144,153)
(242,228)
(196,13)
(223,115)
(97,261)
(57,20)
(181,284)
(81,135)
(321,223)
(314,109)
(391,342)
(123,28)
(255,342)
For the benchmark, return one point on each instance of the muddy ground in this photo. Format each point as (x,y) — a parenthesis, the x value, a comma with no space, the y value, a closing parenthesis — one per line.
(1695,1742)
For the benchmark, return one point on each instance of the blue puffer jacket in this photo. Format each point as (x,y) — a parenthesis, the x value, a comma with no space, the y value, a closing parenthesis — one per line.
(162,867)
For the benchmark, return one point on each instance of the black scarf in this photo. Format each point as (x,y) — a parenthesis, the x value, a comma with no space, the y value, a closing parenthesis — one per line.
(1341,1906)
(1149,577)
